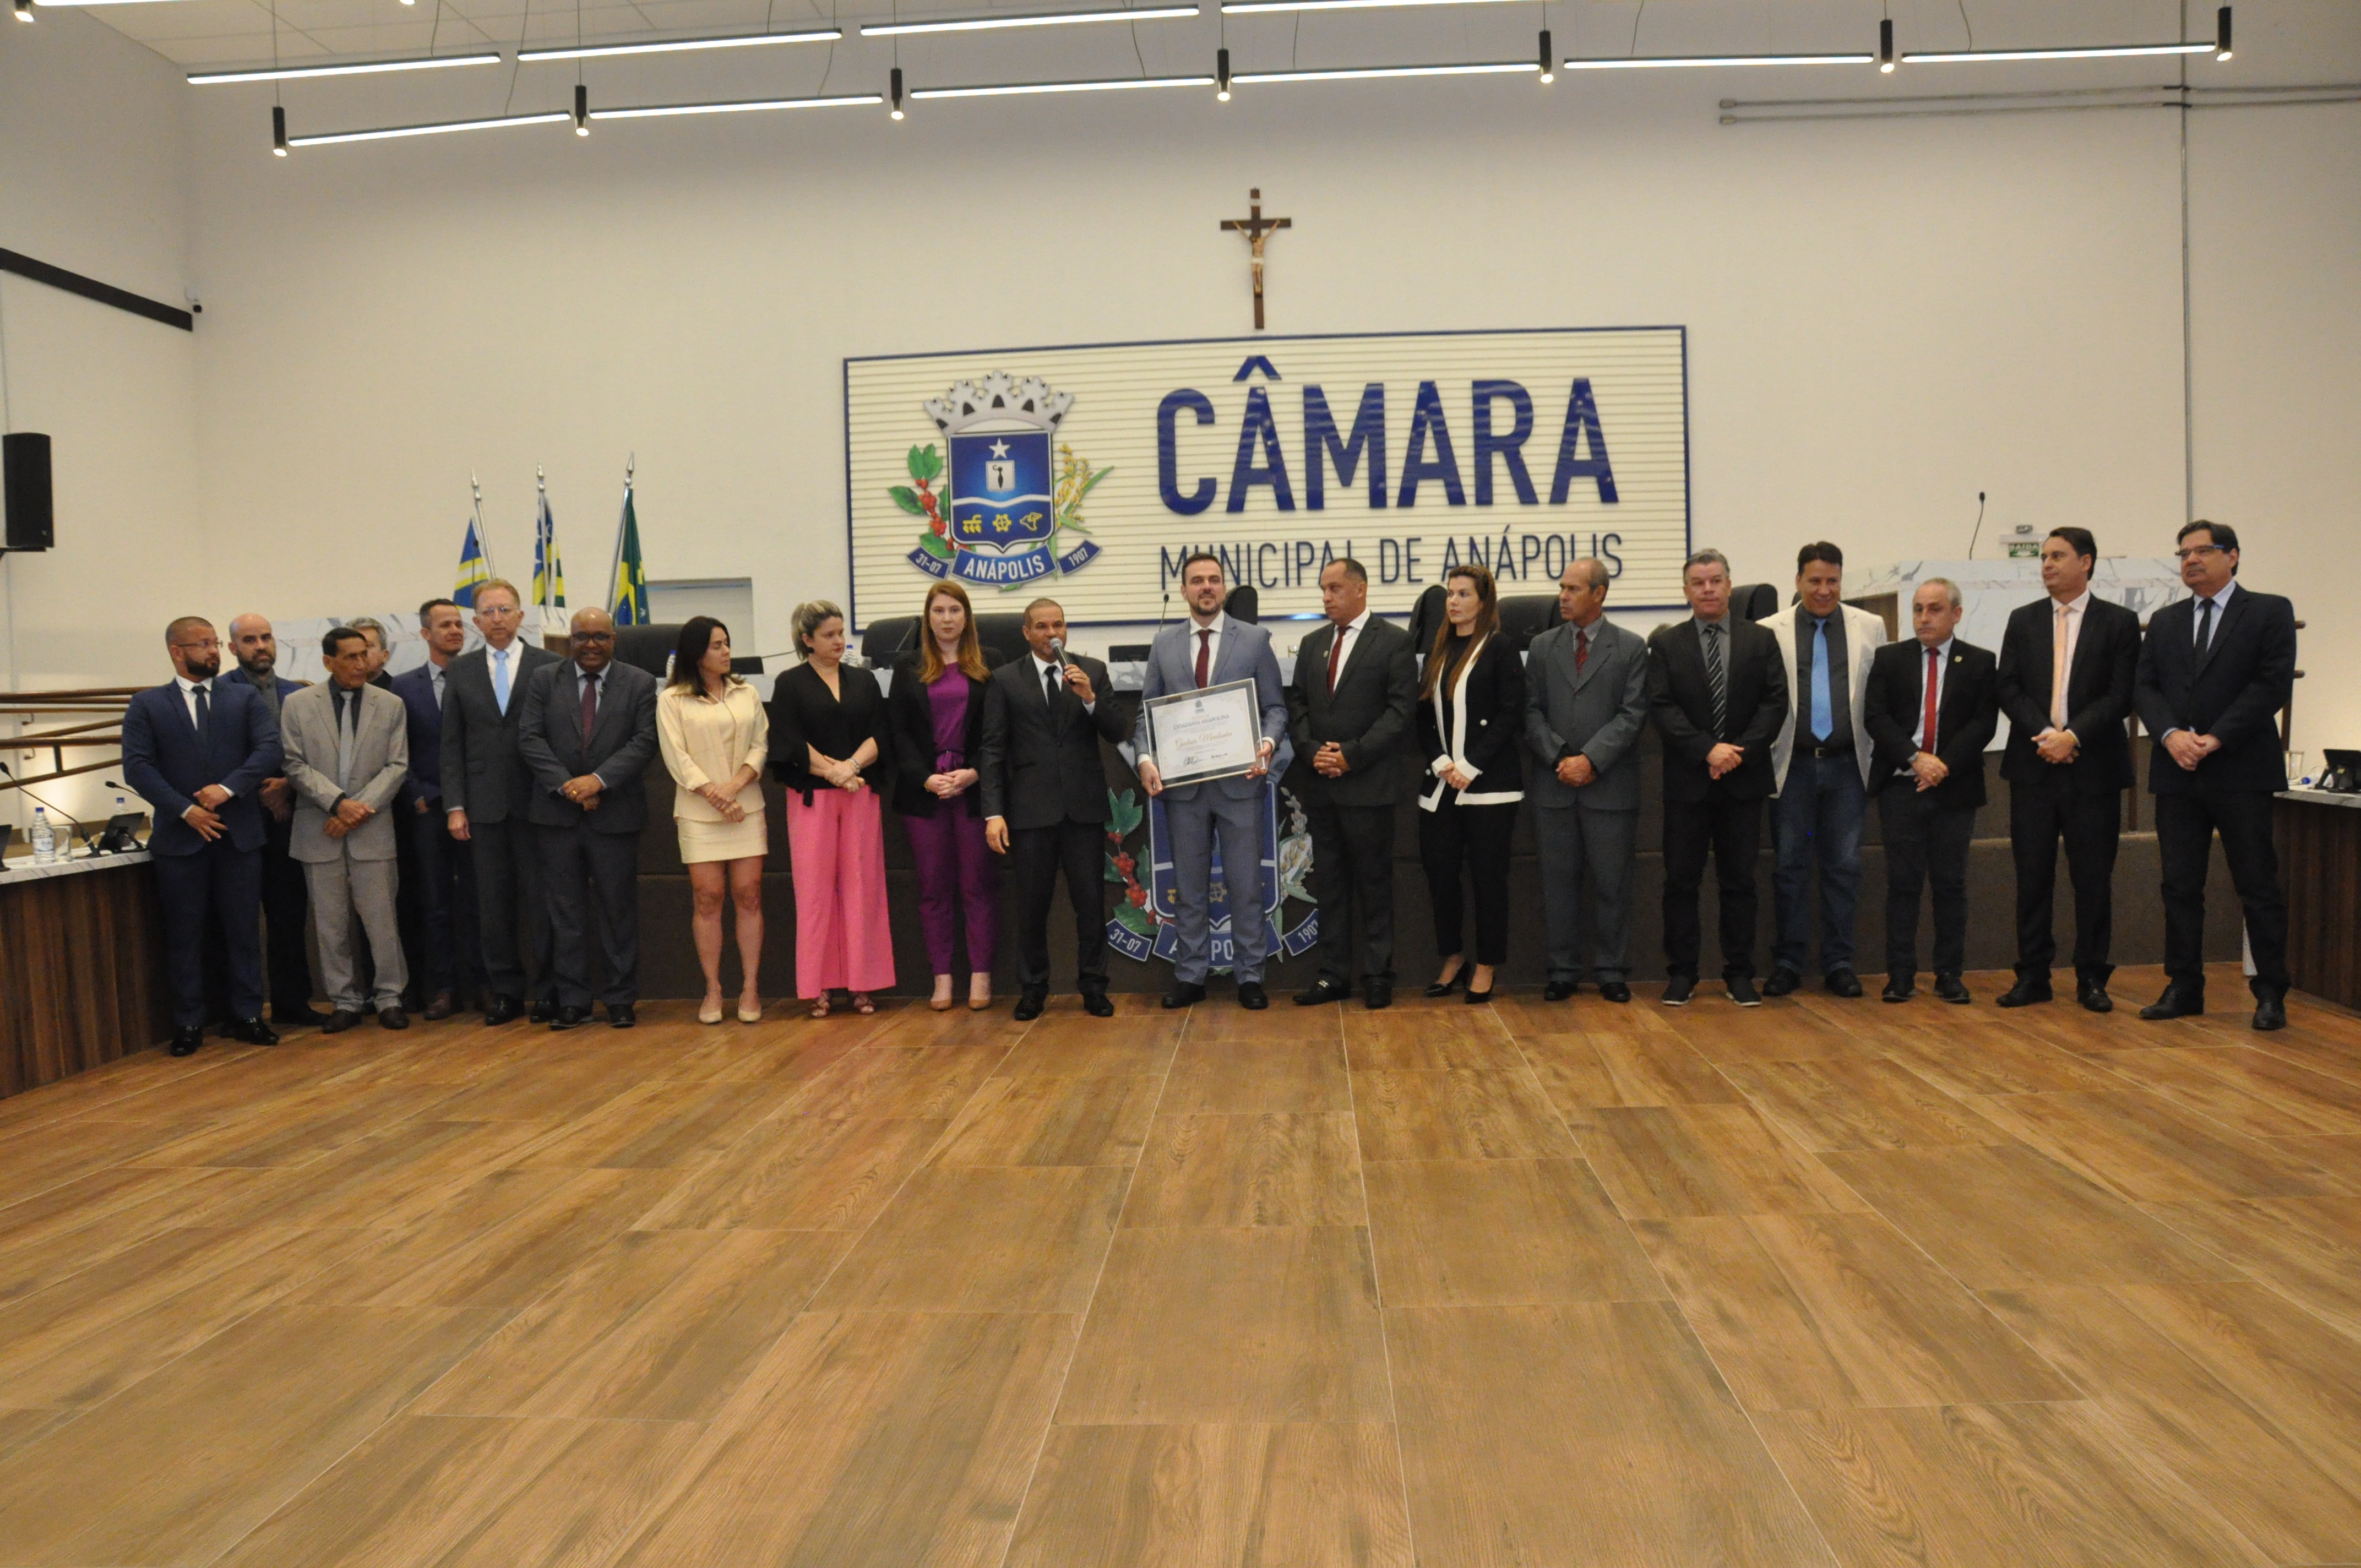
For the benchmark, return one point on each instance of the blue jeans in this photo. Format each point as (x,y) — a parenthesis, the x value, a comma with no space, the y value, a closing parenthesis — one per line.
(1817,817)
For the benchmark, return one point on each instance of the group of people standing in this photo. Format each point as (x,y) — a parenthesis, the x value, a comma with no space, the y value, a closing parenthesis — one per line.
(517,776)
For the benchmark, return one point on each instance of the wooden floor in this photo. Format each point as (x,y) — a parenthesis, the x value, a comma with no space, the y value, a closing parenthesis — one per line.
(1534,1285)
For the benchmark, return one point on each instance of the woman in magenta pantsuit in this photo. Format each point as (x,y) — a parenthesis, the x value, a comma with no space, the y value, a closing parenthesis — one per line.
(935,711)
(828,733)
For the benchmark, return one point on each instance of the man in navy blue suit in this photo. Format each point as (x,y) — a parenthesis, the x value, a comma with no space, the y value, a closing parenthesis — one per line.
(286,906)
(451,953)
(198,750)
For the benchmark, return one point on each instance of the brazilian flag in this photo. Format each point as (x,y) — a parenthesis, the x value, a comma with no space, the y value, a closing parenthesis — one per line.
(474,568)
(631,588)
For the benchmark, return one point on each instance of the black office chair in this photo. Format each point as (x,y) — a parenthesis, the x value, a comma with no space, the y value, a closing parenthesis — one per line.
(889,639)
(647,648)
(1003,635)
(1425,619)
(1526,617)
(1243,604)
(1754,601)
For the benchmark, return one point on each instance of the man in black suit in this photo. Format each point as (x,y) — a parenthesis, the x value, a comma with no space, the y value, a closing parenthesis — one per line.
(197,751)
(588,735)
(484,787)
(1932,706)
(451,951)
(1718,690)
(286,906)
(2214,675)
(1349,710)
(1045,799)
(2067,664)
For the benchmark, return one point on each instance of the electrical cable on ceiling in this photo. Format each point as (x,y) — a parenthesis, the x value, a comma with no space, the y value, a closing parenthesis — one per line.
(524,26)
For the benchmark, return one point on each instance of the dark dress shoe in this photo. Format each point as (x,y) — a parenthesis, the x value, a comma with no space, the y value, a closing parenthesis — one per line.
(1614,991)
(442,1007)
(1030,1000)
(504,1010)
(1741,991)
(1842,982)
(392,1018)
(1377,993)
(2025,993)
(622,1015)
(1184,993)
(1783,981)
(2271,1010)
(304,1017)
(569,1017)
(187,1039)
(1475,998)
(1559,990)
(253,1032)
(1952,989)
(546,1011)
(1322,990)
(2176,1003)
(1678,989)
(1900,987)
(1095,1004)
(2093,995)
(1252,996)
(339,1021)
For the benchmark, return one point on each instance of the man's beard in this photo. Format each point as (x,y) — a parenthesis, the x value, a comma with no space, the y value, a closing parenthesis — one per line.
(204,669)
(259,666)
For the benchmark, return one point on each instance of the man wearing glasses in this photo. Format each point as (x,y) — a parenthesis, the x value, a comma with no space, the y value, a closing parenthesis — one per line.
(2215,672)
(485,788)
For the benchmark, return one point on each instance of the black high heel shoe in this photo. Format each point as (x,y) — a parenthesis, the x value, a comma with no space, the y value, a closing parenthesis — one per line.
(1475,998)
(1445,987)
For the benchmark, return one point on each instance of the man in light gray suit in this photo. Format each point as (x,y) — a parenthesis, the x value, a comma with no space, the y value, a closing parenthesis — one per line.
(347,746)
(1586,704)
(1210,649)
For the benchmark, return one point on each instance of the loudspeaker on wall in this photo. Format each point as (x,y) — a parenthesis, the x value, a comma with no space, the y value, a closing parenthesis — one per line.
(31,523)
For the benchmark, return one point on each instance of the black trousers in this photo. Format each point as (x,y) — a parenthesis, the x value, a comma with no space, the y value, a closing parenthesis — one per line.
(2091,824)
(512,912)
(287,919)
(450,946)
(1925,842)
(220,886)
(1453,838)
(1732,831)
(1036,856)
(593,879)
(1352,855)
(2185,822)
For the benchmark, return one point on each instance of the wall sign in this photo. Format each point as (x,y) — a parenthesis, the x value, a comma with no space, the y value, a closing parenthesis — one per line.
(1087,472)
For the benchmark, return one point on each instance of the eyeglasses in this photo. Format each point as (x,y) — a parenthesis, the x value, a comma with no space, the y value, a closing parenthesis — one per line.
(497,610)
(209,643)
(2197,553)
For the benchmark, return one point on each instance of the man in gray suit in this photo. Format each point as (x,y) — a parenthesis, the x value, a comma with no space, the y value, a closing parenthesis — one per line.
(1586,704)
(1210,649)
(485,785)
(590,732)
(347,746)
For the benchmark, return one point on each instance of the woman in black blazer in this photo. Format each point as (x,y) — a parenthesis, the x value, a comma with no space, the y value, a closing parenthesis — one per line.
(935,712)
(827,738)
(1471,709)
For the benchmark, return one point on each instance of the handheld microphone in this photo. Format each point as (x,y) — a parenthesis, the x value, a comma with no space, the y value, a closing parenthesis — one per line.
(1980,525)
(1057,651)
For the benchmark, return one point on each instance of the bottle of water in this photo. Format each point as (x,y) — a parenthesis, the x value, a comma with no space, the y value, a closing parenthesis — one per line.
(44,838)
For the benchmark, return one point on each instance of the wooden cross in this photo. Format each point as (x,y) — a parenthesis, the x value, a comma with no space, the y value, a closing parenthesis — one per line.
(1257,230)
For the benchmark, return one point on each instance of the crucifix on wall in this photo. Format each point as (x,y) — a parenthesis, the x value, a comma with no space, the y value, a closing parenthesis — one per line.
(1257,230)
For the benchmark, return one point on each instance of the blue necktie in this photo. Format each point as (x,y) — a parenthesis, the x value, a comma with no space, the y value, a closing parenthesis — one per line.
(1823,708)
(501,679)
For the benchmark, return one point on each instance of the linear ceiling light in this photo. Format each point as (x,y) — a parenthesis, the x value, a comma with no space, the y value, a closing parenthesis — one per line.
(1042,19)
(673,46)
(1013,89)
(2219,49)
(1365,73)
(1662,61)
(734,107)
(350,68)
(1237,7)
(556,117)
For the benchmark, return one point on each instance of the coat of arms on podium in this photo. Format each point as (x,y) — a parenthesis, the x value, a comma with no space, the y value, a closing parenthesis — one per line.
(1013,492)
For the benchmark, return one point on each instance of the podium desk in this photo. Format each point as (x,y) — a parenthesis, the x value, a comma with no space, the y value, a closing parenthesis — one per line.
(2319,838)
(81,976)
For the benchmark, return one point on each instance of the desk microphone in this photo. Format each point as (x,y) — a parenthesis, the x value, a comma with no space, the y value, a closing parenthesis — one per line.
(71,821)
(1980,525)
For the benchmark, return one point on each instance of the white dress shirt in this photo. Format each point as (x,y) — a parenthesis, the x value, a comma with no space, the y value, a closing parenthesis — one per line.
(1219,626)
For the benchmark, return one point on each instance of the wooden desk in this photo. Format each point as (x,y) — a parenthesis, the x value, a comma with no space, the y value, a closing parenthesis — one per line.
(2320,855)
(81,972)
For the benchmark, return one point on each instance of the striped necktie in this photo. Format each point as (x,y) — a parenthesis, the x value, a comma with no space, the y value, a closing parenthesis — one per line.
(1716,679)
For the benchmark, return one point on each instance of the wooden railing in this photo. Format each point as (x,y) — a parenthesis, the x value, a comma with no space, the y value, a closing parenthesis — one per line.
(105,730)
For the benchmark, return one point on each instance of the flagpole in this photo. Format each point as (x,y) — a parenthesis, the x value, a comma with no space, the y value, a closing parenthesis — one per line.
(483,539)
(615,568)
(541,547)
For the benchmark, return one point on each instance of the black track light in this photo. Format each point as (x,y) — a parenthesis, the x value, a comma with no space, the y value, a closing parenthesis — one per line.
(581,110)
(1222,75)
(2221,33)
(279,130)
(897,92)
(1549,58)
(1885,45)
(24,10)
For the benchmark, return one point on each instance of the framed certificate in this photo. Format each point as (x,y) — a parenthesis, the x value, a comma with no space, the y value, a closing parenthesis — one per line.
(1215,733)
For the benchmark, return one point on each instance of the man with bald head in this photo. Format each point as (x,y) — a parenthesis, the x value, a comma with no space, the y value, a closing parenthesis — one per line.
(588,734)
(286,907)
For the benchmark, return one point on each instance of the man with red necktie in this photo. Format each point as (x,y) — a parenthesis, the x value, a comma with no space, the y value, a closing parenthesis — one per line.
(1933,703)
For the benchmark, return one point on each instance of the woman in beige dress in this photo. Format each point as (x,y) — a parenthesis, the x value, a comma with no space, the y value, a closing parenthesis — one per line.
(716,736)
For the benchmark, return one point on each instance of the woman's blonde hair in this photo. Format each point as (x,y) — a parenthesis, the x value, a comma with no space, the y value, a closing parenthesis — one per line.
(930,655)
(809,615)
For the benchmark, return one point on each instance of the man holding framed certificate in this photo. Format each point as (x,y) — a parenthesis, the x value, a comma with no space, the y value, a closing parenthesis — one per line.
(1212,722)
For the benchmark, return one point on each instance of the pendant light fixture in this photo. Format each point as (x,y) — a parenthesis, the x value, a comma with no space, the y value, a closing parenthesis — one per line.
(1549,60)
(581,110)
(349,68)
(1885,45)
(897,92)
(24,10)
(1222,75)
(279,130)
